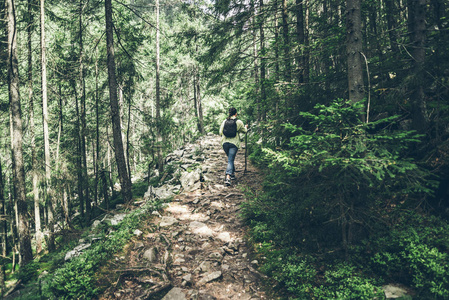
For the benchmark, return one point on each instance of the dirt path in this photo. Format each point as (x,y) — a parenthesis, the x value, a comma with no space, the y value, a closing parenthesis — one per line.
(197,249)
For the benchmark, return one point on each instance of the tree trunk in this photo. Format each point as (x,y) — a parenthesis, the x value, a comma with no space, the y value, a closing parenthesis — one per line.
(65,204)
(48,198)
(11,211)
(124,178)
(104,186)
(300,40)
(277,72)
(160,160)
(256,65)
(354,50)
(3,217)
(97,130)
(2,278)
(286,42)
(79,160)
(83,118)
(263,94)
(417,26)
(128,136)
(25,253)
(306,43)
(34,167)
(197,99)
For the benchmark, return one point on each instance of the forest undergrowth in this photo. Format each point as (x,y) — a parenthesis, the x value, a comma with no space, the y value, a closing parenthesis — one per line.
(344,211)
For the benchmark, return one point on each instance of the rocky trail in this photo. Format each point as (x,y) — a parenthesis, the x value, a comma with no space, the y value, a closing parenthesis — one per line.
(196,246)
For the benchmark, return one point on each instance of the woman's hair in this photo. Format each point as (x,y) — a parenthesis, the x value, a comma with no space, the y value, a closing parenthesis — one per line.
(232,112)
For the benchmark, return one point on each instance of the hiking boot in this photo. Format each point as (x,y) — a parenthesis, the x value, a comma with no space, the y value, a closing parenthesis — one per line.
(232,176)
(228,181)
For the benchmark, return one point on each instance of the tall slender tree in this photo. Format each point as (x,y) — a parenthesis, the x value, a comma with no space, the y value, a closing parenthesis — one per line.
(417,25)
(83,152)
(125,180)
(34,166)
(25,252)
(160,160)
(300,39)
(286,41)
(3,217)
(263,62)
(47,157)
(354,50)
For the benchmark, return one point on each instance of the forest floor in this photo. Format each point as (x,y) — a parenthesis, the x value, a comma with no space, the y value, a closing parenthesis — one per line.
(196,247)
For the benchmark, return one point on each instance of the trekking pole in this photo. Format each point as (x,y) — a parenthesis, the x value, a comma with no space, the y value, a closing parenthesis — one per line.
(246,151)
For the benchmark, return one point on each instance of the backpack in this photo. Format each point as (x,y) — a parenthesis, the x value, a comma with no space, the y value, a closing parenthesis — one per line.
(230,128)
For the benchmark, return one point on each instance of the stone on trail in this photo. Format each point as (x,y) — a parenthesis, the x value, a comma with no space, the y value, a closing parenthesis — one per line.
(208,177)
(163,192)
(208,277)
(190,181)
(151,255)
(225,237)
(168,221)
(187,278)
(175,294)
(216,256)
(201,229)
(203,267)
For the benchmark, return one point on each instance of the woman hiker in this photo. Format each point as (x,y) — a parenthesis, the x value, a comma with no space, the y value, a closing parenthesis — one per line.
(230,131)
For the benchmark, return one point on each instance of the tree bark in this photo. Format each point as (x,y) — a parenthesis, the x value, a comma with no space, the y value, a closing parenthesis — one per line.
(3,217)
(97,131)
(83,151)
(354,50)
(48,198)
(417,25)
(286,42)
(263,94)
(25,251)
(300,38)
(306,43)
(79,160)
(277,71)
(34,167)
(197,99)
(160,159)
(256,64)
(124,178)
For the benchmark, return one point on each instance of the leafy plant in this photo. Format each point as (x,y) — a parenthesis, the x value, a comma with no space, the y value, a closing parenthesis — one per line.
(339,170)
(28,272)
(416,252)
(76,278)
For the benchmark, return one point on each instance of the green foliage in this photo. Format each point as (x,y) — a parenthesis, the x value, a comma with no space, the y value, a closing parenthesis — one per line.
(304,277)
(416,251)
(76,278)
(344,281)
(340,182)
(28,272)
(337,169)
(139,189)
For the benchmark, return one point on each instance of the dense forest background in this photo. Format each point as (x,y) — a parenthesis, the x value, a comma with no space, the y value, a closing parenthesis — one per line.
(347,102)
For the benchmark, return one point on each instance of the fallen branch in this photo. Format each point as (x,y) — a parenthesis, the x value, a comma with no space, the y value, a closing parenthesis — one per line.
(154,290)
(13,288)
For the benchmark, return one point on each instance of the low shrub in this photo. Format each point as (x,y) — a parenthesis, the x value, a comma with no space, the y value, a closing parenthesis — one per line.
(416,252)
(76,278)
(28,272)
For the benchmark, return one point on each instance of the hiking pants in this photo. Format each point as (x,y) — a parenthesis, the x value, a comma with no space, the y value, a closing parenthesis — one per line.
(231,152)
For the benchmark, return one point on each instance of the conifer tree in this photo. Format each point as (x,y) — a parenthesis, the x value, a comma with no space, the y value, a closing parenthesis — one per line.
(25,252)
